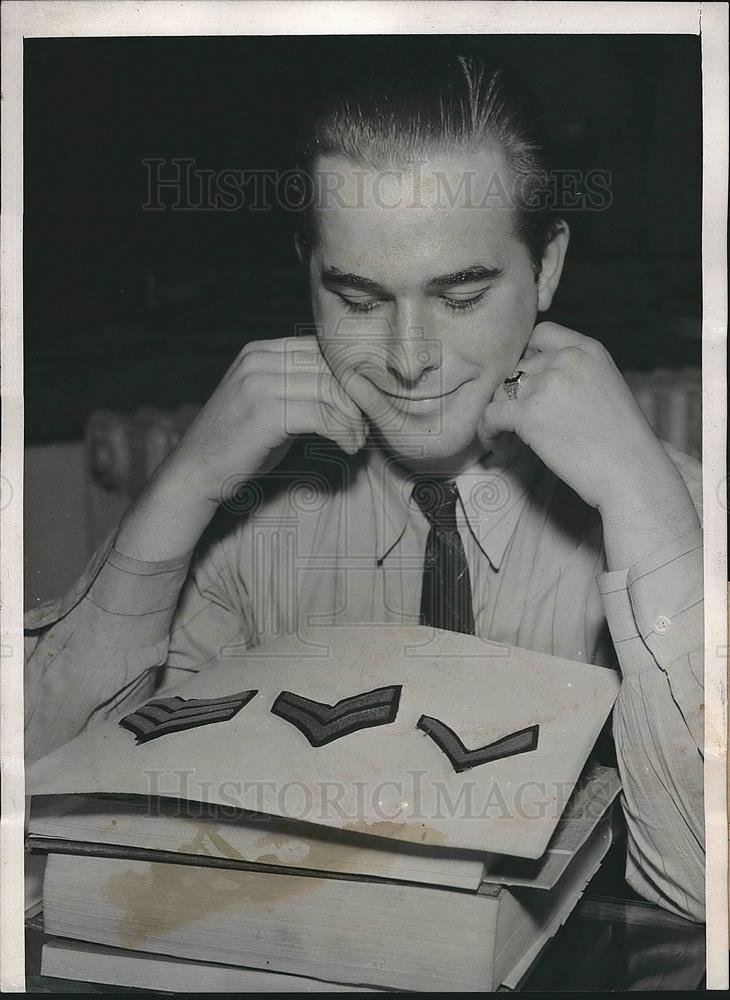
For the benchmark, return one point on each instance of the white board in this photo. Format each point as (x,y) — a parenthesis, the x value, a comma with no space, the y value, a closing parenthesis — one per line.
(392,780)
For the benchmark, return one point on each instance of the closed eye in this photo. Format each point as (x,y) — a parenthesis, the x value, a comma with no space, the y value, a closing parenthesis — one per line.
(360,305)
(455,303)
(458,303)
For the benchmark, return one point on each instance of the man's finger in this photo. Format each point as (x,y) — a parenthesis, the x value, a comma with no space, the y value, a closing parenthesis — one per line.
(533,370)
(292,343)
(361,391)
(350,437)
(552,337)
(538,362)
(320,387)
(318,417)
(500,417)
(278,345)
(277,356)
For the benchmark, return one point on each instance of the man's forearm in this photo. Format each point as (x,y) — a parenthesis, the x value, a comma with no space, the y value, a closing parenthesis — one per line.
(653,510)
(654,611)
(169,516)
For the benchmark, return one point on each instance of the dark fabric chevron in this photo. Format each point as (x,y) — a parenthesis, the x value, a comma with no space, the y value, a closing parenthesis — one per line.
(171,715)
(462,759)
(322,723)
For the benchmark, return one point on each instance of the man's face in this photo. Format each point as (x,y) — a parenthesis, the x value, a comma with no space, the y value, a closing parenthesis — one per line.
(424,301)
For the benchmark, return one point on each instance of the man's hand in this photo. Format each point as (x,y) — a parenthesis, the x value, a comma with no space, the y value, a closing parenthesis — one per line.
(273,391)
(576,413)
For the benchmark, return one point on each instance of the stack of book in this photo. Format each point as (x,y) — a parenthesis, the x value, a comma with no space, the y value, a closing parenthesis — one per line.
(397,809)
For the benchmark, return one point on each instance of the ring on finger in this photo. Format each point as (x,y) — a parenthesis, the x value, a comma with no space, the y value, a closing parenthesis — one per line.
(513,383)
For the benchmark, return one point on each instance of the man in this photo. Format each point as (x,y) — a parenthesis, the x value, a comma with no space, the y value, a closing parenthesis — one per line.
(488,473)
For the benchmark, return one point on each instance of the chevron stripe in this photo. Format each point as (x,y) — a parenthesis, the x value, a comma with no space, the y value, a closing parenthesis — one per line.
(322,723)
(172,715)
(462,759)
(327,714)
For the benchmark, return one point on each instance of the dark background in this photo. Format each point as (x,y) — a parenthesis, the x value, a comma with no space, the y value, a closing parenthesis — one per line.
(126,307)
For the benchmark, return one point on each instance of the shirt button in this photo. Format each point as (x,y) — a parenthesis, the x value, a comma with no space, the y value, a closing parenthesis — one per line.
(662,625)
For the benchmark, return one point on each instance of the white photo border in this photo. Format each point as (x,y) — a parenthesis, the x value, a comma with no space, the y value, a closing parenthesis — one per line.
(24,19)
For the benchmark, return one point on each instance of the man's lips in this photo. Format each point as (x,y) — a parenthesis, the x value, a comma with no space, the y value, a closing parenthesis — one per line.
(411,406)
(401,398)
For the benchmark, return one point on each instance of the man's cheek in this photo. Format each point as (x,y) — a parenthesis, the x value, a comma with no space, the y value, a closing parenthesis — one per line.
(497,350)
(357,346)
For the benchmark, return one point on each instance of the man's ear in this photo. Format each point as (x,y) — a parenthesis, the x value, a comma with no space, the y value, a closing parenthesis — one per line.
(552,266)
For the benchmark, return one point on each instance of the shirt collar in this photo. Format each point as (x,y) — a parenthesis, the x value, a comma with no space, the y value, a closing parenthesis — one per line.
(391,486)
(493,493)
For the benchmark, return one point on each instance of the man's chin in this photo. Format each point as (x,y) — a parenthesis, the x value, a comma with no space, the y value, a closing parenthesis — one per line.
(432,452)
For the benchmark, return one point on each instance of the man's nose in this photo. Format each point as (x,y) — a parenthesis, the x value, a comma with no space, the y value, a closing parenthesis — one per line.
(412,355)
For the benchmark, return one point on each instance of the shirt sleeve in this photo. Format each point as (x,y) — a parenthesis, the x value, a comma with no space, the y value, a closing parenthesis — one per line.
(129,629)
(654,611)
(215,616)
(94,651)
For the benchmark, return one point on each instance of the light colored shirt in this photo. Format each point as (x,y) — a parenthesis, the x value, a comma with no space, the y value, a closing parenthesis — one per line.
(341,541)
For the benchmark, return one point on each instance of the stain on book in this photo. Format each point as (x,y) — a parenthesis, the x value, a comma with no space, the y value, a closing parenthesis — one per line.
(399,831)
(207,837)
(160,899)
(157,901)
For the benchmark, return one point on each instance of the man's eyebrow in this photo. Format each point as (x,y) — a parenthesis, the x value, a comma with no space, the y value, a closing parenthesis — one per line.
(467,275)
(332,277)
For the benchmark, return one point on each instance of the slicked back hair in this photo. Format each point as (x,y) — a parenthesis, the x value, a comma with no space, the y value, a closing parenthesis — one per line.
(460,106)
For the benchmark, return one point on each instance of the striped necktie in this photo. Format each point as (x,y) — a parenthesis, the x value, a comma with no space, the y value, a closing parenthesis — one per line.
(446,590)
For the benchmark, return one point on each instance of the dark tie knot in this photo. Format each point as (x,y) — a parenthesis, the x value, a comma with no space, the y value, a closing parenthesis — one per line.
(437,500)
